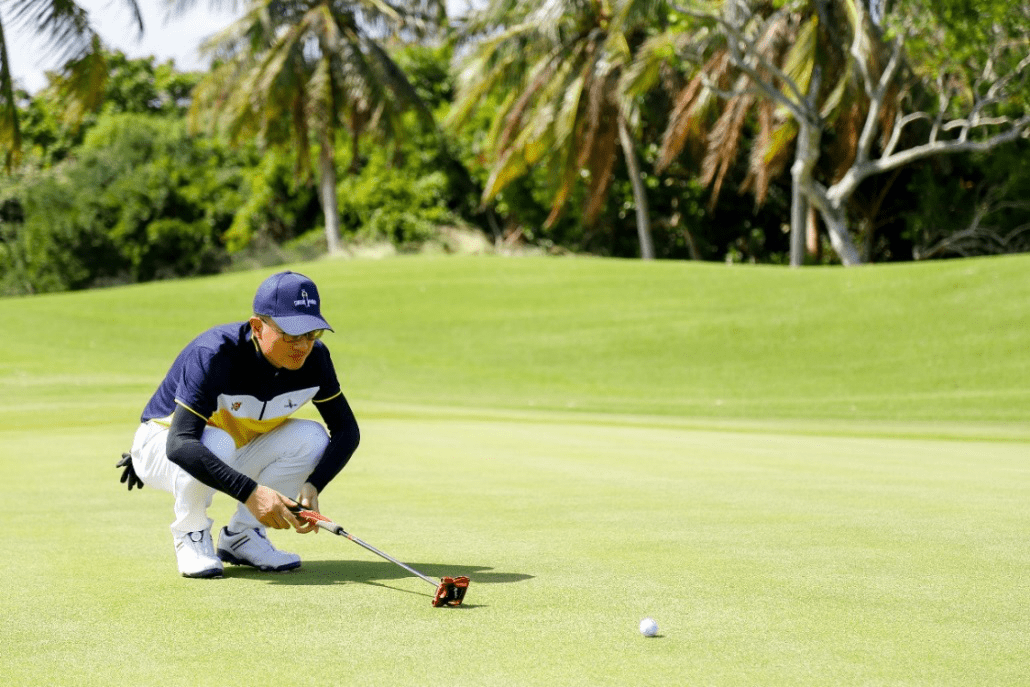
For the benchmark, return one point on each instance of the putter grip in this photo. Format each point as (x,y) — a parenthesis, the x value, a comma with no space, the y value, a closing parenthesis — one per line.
(331,527)
(317,519)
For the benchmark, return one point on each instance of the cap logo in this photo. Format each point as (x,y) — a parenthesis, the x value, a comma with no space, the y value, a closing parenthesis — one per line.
(304,300)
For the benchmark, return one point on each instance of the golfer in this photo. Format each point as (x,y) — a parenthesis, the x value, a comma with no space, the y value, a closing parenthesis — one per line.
(220,421)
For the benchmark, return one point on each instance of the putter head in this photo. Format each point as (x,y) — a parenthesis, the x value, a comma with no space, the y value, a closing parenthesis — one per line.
(451,591)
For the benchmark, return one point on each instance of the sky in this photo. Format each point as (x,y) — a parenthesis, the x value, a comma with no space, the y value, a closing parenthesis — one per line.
(178,40)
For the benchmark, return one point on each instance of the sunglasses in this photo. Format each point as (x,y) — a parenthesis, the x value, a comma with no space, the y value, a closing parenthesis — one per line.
(294,338)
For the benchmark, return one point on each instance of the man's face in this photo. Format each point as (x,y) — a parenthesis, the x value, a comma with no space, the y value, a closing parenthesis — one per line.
(280,349)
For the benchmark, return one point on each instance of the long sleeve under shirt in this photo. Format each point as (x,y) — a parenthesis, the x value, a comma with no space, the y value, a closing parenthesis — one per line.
(222,379)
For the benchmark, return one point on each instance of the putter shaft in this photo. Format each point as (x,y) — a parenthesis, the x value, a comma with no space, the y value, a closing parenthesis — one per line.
(343,533)
(330,526)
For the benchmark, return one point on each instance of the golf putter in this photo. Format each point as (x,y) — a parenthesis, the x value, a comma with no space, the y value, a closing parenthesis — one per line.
(450,591)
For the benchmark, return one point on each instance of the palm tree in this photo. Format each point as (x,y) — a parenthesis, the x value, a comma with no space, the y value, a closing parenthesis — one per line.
(791,73)
(887,112)
(556,67)
(297,71)
(72,43)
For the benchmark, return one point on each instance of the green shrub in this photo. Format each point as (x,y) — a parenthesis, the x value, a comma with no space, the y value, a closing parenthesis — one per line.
(141,200)
(402,204)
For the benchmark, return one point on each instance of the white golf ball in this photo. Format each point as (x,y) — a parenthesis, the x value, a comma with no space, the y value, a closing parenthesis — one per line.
(648,627)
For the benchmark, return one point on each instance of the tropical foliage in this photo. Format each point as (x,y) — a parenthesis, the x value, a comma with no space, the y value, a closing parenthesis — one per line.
(862,132)
(290,71)
(816,67)
(131,195)
(141,200)
(556,66)
(63,28)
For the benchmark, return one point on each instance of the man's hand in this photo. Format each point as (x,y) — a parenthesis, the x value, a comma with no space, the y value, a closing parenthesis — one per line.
(129,476)
(272,510)
(308,498)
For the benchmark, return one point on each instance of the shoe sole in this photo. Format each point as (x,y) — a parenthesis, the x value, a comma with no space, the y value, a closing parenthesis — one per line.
(227,557)
(209,574)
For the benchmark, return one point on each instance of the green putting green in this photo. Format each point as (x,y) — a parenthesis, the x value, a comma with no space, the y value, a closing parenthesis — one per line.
(805,477)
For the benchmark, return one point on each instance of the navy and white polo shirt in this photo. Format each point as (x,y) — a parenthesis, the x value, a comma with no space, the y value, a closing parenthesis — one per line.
(223,377)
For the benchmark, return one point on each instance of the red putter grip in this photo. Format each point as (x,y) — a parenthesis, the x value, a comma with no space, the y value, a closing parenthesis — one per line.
(316,518)
(311,516)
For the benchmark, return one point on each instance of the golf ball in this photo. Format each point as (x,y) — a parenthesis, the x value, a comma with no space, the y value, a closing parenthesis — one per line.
(648,627)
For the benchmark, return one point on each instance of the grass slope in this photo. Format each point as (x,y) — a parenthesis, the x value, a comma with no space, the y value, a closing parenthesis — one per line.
(939,342)
(758,458)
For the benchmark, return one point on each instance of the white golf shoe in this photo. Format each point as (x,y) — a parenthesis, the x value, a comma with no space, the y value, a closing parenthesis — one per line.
(251,547)
(195,553)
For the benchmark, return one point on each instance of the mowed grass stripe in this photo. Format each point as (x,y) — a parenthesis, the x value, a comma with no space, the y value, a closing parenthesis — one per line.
(926,342)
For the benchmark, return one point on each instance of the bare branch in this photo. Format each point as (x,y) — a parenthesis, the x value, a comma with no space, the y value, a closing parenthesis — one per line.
(1018,231)
(942,106)
(799,108)
(857,52)
(975,123)
(1018,129)
(977,239)
(975,120)
(995,94)
(996,87)
(899,126)
(876,100)
(860,171)
(987,73)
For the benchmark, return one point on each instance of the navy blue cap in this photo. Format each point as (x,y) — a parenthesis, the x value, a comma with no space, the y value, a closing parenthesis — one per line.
(291,299)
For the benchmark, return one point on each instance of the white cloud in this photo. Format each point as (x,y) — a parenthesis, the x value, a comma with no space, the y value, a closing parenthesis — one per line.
(176,39)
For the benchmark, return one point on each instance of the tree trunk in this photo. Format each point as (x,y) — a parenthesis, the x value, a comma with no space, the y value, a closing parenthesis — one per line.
(327,193)
(639,194)
(805,153)
(834,218)
(840,239)
(813,245)
(798,225)
(833,215)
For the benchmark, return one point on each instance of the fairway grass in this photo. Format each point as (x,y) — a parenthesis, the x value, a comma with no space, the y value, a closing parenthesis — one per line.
(553,429)
(766,559)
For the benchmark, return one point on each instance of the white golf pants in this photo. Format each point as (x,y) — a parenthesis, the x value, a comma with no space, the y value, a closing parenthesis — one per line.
(281,459)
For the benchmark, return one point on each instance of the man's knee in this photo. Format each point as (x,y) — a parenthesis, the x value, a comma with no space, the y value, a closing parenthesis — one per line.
(312,436)
(219,442)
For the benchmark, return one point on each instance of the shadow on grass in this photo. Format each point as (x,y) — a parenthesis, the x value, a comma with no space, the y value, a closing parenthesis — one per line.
(372,573)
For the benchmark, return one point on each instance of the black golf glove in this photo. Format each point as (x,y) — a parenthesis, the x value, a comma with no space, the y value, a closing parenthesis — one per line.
(129,476)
